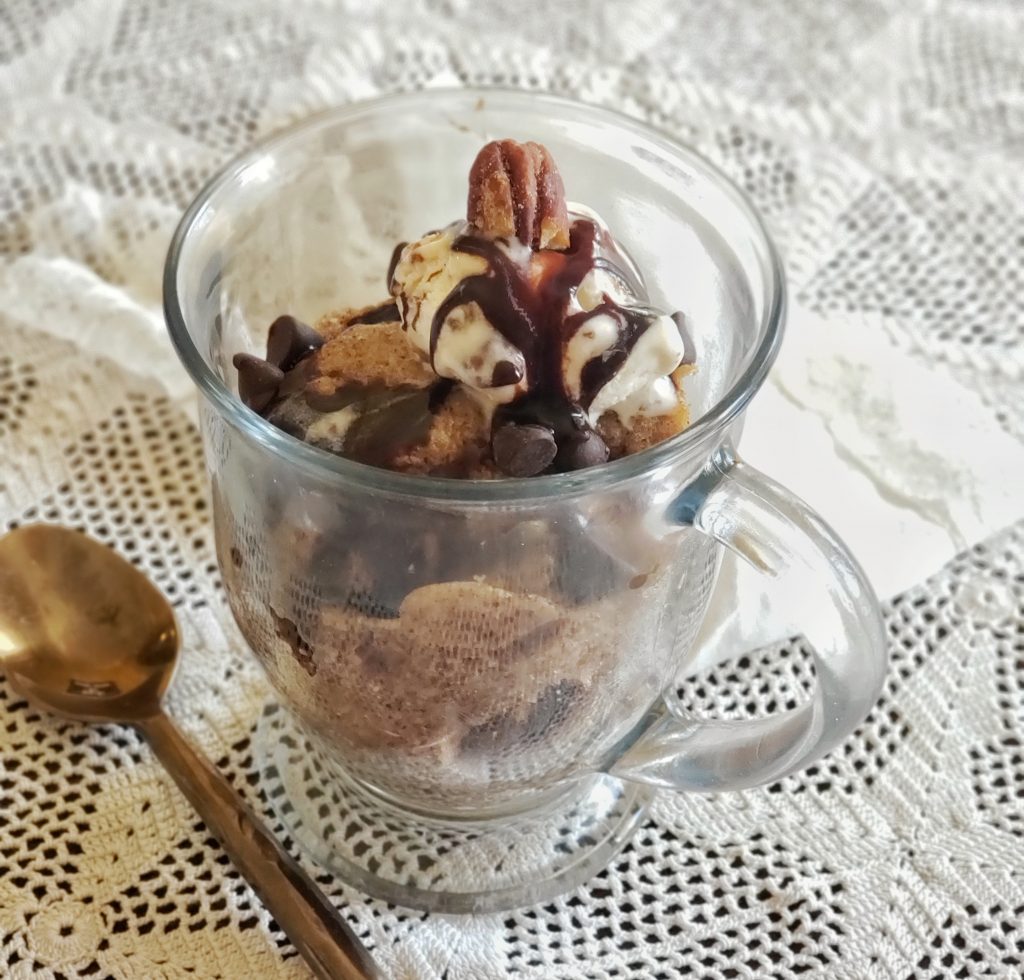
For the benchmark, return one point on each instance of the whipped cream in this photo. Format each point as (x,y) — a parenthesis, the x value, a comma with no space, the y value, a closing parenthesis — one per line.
(467,348)
(575,321)
(642,384)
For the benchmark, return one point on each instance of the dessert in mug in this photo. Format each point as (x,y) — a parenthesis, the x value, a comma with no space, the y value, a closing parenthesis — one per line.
(516,342)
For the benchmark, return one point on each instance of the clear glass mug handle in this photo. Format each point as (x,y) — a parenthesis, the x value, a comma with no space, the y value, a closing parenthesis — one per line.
(767,526)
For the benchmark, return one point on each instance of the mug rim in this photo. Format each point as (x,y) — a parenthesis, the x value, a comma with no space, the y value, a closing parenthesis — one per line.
(324,464)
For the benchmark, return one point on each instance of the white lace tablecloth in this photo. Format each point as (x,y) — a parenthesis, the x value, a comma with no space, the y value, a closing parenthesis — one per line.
(883,140)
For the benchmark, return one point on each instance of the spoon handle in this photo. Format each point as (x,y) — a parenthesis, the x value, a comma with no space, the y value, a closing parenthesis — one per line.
(301,909)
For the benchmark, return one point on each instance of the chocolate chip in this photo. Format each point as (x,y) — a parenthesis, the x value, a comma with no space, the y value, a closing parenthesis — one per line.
(439,392)
(579,453)
(566,419)
(550,710)
(292,416)
(505,373)
(295,380)
(289,341)
(288,631)
(584,571)
(523,450)
(257,380)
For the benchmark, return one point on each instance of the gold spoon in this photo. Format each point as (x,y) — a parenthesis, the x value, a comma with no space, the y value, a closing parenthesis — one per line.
(86,635)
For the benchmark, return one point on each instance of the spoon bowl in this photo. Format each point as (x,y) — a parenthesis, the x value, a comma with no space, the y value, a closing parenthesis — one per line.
(83,633)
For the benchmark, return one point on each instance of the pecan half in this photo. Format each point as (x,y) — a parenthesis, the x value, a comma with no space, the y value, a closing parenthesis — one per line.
(515,190)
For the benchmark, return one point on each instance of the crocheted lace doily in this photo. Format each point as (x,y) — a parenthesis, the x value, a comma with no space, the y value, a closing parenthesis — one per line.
(882,141)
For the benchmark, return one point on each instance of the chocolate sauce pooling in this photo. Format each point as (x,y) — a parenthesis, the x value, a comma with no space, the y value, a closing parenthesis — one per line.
(388,421)
(385,313)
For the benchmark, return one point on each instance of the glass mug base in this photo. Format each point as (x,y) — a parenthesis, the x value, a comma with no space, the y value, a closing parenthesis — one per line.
(456,866)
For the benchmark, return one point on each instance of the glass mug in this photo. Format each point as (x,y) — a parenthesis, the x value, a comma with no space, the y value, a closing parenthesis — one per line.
(472,675)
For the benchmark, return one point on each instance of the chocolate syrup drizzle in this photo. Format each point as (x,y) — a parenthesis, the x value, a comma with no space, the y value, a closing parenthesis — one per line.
(531,314)
(532,317)
(396,256)
(598,371)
